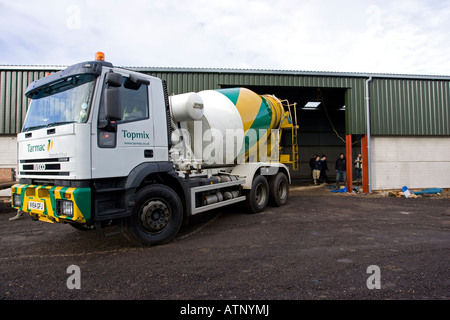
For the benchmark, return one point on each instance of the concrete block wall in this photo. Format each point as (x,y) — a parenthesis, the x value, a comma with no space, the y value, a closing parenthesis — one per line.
(415,162)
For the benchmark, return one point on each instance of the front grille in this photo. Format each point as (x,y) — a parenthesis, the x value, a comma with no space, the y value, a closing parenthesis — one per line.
(43,167)
(50,166)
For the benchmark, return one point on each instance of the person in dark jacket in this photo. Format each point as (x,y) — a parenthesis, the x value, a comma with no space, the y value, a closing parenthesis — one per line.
(311,164)
(341,170)
(316,170)
(323,171)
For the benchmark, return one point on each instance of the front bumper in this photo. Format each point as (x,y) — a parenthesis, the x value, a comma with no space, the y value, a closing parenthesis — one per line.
(51,203)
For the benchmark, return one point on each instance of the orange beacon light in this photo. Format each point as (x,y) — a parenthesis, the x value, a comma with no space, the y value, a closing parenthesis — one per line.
(99,56)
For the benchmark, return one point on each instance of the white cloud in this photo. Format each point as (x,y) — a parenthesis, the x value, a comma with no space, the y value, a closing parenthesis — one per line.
(355,36)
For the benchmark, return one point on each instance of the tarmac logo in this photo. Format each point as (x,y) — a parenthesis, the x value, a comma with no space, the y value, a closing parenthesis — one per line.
(36,148)
(50,145)
(40,147)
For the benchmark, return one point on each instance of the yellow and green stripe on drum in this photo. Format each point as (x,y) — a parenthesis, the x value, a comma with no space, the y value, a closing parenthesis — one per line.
(259,115)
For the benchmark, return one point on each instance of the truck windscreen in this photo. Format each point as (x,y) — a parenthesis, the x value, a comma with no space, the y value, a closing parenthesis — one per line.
(61,102)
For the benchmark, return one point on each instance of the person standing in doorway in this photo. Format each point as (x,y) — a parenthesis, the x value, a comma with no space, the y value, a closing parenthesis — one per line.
(341,170)
(358,169)
(311,165)
(323,171)
(316,170)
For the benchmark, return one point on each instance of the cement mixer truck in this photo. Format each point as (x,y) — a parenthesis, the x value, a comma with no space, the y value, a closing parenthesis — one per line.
(103,146)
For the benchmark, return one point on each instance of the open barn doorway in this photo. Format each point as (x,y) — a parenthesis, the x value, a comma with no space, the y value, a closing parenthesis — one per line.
(321,119)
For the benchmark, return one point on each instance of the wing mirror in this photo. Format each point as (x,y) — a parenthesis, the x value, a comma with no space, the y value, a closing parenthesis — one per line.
(113,106)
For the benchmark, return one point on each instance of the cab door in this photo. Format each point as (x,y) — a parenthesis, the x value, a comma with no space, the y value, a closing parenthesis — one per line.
(119,146)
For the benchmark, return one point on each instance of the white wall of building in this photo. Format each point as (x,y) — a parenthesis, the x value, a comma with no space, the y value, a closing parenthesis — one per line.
(8,152)
(415,162)
(8,159)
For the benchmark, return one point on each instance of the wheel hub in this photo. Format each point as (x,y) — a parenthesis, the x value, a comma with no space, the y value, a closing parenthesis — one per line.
(155,215)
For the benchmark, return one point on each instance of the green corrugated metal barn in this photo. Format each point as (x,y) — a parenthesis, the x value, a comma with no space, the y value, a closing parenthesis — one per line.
(405,138)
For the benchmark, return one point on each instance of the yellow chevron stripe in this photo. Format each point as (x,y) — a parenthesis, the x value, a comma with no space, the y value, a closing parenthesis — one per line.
(248,114)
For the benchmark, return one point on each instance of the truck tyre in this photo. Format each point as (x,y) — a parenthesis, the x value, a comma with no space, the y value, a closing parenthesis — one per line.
(258,196)
(156,218)
(278,189)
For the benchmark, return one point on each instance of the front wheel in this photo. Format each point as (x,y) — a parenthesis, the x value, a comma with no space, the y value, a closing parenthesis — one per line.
(156,218)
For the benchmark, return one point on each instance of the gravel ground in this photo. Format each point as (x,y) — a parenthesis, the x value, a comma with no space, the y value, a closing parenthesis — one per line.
(320,246)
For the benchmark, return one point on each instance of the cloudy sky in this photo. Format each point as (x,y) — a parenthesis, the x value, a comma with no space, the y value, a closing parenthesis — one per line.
(395,36)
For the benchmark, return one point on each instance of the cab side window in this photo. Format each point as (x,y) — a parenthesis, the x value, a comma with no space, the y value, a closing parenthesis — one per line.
(135,107)
(134,102)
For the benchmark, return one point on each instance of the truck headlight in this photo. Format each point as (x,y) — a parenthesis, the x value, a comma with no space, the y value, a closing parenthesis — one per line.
(17,200)
(64,208)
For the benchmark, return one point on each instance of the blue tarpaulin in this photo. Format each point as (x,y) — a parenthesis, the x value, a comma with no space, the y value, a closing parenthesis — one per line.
(429,191)
(343,190)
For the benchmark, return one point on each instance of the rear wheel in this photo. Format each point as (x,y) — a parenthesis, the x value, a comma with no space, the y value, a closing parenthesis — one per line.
(156,218)
(258,196)
(278,189)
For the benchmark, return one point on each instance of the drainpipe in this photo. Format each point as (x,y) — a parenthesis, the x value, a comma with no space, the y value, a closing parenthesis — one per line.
(369,157)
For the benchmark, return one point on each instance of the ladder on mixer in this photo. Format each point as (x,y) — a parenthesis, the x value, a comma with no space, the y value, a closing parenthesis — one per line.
(290,122)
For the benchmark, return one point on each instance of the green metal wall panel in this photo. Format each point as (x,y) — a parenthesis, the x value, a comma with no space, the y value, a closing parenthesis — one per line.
(355,115)
(13,103)
(410,107)
(398,105)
